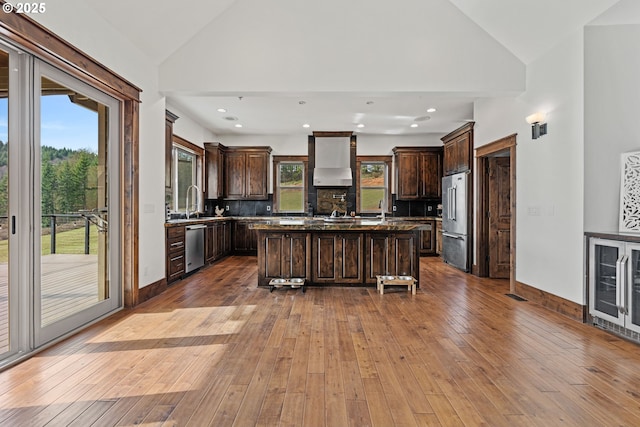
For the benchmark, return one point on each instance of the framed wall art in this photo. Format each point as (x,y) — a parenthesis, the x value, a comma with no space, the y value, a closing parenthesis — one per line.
(630,193)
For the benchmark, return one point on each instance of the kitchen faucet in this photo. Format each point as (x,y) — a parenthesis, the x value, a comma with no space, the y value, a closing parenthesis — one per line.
(197,204)
(383,208)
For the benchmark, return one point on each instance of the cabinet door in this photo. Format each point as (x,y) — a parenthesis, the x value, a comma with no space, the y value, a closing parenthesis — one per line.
(428,239)
(633,286)
(431,175)
(350,258)
(408,168)
(404,259)
(235,167)
(438,237)
(210,243)
(256,176)
(296,258)
(378,256)
(214,167)
(604,282)
(325,249)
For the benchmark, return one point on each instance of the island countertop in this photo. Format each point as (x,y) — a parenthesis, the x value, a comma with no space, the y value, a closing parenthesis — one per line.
(338,224)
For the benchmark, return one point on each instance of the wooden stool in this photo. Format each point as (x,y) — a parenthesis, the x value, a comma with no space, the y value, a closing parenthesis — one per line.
(407,281)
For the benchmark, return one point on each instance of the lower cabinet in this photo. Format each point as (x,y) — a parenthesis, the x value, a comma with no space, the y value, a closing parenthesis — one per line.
(390,254)
(438,237)
(217,241)
(344,258)
(175,241)
(338,258)
(244,238)
(284,256)
(428,239)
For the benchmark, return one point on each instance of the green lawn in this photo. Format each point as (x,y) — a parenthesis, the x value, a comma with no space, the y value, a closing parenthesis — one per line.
(67,242)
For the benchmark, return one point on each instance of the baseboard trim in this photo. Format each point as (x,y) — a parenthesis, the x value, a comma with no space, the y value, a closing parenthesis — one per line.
(150,291)
(552,302)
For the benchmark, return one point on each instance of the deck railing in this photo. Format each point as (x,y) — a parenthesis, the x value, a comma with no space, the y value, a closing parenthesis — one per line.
(53,226)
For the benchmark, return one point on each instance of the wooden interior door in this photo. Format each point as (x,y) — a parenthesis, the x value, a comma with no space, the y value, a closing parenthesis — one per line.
(499,217)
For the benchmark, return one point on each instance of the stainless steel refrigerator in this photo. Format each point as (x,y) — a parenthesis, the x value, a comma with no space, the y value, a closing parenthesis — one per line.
(455,234)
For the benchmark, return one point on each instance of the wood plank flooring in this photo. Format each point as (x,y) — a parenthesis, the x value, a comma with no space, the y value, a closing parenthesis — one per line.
(215,350)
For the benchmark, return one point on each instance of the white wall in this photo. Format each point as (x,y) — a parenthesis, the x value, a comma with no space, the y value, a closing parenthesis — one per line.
(549,170)
(188,129)
(81,26)
(612,109)
(344,46)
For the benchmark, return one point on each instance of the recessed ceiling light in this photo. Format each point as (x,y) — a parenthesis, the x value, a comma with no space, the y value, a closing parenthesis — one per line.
(222,110)
(370,102)
(306,125)
(360,125)
(414,125)
(238,125)
(230,118)
(431,110)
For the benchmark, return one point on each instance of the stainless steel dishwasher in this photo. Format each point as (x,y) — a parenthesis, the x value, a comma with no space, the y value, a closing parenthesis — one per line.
(194,247)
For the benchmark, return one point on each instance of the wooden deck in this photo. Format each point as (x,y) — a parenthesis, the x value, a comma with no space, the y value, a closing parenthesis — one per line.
(69,285)
(215,350)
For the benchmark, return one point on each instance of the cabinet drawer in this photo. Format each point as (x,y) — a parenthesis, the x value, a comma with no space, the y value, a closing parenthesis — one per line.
(175,245)
(176,265)
(175,232)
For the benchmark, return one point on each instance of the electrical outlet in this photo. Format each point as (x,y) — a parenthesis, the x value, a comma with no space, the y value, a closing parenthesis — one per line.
(226,208)
(429,208)
(394,208)
(268,208)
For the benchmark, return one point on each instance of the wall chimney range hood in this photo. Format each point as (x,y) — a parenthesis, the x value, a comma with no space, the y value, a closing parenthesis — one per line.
(333,162)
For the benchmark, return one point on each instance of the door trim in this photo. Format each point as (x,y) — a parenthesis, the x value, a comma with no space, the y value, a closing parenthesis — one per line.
(480,268)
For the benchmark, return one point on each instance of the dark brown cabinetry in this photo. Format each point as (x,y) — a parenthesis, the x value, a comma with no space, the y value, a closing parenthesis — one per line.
(418,172)
(438,237)
(217,240)
(338,258)
(458,150)
(214,170)
(286,256)
(170,119)
(428,238)
(393,254)
(244,238)
(175,253)
(246,171)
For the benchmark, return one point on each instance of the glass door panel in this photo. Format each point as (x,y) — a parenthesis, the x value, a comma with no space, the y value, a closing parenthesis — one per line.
(76,139)
(5,318)
(604,283)
(633,280)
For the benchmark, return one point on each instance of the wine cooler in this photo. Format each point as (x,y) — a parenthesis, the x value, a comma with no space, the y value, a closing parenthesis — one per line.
(614,285)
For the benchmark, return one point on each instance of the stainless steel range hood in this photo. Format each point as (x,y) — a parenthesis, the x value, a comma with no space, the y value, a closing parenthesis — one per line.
(333,162)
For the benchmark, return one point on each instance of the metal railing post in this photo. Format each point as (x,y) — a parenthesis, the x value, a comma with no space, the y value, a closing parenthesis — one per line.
(52,225)
(87,224)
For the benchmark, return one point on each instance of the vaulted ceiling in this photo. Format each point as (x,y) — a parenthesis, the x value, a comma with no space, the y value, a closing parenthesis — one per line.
(274,65)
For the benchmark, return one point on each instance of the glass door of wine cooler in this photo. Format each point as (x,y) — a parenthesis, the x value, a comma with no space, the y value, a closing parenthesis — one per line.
(605,280)
(633,285)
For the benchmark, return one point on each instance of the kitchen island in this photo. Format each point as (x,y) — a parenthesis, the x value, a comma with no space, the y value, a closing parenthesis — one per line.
(336,251)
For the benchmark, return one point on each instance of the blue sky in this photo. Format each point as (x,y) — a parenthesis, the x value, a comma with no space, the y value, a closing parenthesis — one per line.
(64,124)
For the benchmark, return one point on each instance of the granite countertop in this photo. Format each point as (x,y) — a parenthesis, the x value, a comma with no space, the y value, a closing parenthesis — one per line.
(319,224)
(290,221)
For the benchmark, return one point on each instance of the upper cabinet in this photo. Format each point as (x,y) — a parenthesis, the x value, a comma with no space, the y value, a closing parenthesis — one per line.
(458,150)
(214,168)
(246,172)
(418,172)
(170,119)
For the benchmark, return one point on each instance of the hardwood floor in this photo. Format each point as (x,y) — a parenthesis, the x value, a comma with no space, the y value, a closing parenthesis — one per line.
(216,350)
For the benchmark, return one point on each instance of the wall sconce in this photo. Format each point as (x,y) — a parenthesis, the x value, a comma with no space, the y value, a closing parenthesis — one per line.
(538,128)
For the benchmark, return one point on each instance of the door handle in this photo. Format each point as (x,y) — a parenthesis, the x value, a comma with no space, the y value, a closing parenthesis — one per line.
(623,284)
(453,236)
(13,224)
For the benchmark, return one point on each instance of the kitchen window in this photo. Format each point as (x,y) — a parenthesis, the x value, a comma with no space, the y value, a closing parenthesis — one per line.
(373,183)
(290,191)
(186,173)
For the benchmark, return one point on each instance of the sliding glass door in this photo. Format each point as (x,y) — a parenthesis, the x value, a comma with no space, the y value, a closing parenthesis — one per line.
(76,174)
(59,203)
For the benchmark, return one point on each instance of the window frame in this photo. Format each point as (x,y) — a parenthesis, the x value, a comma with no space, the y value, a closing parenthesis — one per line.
(178,143)
(387,161)
(277,161)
